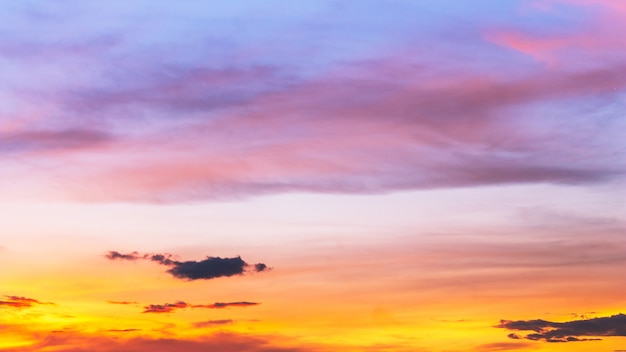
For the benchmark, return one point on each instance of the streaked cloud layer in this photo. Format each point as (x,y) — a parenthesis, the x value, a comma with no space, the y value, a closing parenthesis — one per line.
(150,115)
(374,176)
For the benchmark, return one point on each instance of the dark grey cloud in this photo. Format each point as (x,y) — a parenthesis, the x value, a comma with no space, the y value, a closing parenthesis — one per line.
(209,268)
(260,267)
(571,331)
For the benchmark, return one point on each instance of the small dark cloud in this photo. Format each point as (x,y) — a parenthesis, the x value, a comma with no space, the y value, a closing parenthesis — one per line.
(211,323)
(209,268)
(114,255)
(170,307)
(165,308)
(571,331)
(21,302)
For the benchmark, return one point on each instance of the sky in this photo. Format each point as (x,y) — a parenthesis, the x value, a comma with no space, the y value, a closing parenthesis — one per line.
(382,176)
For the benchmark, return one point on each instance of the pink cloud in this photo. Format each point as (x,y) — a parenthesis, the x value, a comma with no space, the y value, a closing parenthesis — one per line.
(72,341)
(321,138)
(177,134)
(594,41)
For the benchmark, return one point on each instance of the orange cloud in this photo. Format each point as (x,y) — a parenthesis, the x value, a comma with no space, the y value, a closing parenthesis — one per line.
(21,302)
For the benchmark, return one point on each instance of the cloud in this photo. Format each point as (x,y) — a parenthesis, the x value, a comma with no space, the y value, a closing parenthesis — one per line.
(219,305)
(122,302)
(571,331)
(223,342)
(334,133)
(170,307)
(178,89)
(211,323)
(114,255)
(243,125)
(123,330)
(260,267)
(209,268)
(501,346)
(471,131)
(44,140)
(165,308)
(590,43)
(21,302)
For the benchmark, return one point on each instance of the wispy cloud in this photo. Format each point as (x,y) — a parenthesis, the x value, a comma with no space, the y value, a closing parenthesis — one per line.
(21,302)
(165,308)
(50,140)
(170,307)
(212,323)
(122,302)
(224,342)
(313,138)
(220,305)
(123,330)
(502,346)
(364,124)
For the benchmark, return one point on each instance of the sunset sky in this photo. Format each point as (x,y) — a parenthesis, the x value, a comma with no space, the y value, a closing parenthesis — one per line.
(313,176)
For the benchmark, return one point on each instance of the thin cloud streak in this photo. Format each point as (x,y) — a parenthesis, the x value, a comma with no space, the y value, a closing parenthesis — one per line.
(41,141)
(212,323)
(226,342)
(170,307)
(21,302)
